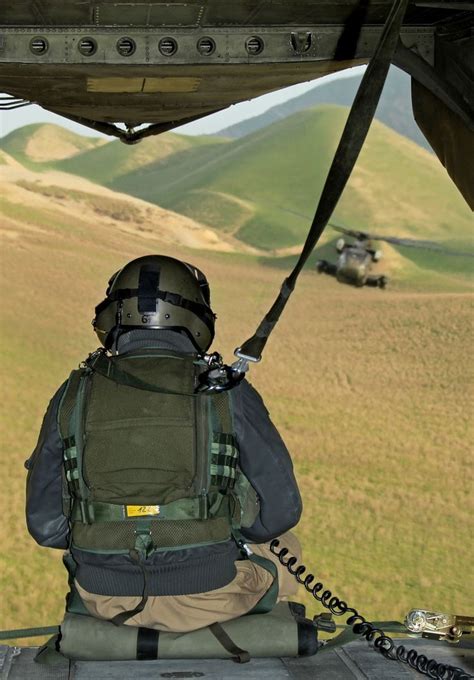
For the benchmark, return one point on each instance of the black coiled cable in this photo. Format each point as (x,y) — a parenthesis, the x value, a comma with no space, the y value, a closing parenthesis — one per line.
(360,626)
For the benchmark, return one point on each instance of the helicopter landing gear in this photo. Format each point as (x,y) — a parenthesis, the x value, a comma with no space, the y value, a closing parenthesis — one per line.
(376,281)
(321,266)
(377,255)
(325,267)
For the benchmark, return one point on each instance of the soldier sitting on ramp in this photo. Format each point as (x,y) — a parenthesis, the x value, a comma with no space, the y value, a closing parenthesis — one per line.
(164,497)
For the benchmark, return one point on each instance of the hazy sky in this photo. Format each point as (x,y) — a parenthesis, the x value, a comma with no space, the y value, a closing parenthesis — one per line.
(10,120)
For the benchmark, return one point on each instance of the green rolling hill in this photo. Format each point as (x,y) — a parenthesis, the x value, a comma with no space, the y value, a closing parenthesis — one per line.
(50,146)
(263,188)
(115,160)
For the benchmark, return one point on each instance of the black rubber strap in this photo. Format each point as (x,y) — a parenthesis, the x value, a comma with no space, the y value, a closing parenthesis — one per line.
(147,644)
(148,282)
(238,655)
(124,616)
(355,131)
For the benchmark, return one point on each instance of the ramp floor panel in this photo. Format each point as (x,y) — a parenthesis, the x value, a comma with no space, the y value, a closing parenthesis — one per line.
(354,661)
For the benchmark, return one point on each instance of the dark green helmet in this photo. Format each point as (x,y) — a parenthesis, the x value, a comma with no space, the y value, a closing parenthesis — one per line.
(160,292)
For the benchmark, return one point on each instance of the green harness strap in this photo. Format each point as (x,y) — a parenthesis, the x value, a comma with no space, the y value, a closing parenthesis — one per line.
(239,655)
(74,603)
(73,449)
(185,508)
(269,600)
(107,367)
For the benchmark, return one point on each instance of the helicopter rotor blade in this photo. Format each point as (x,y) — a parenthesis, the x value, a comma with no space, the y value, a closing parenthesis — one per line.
(420,243)
(404,242)
(359,235)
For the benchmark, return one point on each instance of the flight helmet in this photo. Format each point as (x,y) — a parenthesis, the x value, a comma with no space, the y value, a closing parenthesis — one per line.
(156,292)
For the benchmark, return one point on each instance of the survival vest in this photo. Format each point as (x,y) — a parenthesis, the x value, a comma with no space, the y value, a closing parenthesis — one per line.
(149,463)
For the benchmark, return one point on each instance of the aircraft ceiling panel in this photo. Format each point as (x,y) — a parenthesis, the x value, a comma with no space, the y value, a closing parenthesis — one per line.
(44,13)
(148,14)
(293,13)
(209,13)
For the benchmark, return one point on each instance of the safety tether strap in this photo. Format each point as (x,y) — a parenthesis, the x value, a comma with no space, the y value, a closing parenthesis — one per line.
(355,131)
(238,655)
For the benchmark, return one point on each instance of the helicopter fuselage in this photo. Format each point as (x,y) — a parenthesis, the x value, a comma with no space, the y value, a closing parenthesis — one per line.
(353,266)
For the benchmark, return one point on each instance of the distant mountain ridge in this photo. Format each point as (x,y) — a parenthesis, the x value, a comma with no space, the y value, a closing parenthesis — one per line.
(394,109)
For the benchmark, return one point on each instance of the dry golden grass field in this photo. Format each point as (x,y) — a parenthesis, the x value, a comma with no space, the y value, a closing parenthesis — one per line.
(371,390)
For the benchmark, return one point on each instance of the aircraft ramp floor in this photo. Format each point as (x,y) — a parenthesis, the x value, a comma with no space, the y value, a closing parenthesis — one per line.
(355,660)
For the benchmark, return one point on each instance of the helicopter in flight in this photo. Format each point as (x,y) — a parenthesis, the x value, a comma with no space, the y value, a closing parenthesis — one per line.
(356,259)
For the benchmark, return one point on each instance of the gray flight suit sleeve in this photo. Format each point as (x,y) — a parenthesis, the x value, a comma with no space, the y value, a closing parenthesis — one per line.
(265,461)
(44,493)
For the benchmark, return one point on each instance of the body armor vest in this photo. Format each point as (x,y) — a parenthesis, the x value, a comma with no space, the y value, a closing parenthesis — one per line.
(149,463)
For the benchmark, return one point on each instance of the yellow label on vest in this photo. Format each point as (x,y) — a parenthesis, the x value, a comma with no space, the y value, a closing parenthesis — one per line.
(142,510)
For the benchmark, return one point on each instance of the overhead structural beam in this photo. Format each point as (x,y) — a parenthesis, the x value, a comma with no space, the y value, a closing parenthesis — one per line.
(447,4)
(131,136)
(427,76)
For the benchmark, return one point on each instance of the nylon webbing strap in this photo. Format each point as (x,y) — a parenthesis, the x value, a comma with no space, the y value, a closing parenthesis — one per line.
(147,644)
(107,367)
(185,508)
(28,632)
(355,131)
(119,619)
(269,599)
(239,655)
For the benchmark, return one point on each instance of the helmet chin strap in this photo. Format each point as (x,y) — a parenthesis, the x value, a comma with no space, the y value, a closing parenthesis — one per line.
(112,339)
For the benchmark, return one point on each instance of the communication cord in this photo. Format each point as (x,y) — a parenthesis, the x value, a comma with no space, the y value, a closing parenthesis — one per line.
(360,626)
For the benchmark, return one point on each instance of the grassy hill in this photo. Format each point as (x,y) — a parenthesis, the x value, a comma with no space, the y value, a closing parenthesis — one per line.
(371,391)
(115,159)
(260,191)
(394,109)
(43,142)
(263,188)
(68,203)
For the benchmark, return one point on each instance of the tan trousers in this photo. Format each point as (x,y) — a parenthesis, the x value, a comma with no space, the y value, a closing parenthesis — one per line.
(183,613)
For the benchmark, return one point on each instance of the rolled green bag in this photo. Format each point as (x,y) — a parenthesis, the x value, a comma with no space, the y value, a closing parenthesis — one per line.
(282,632)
